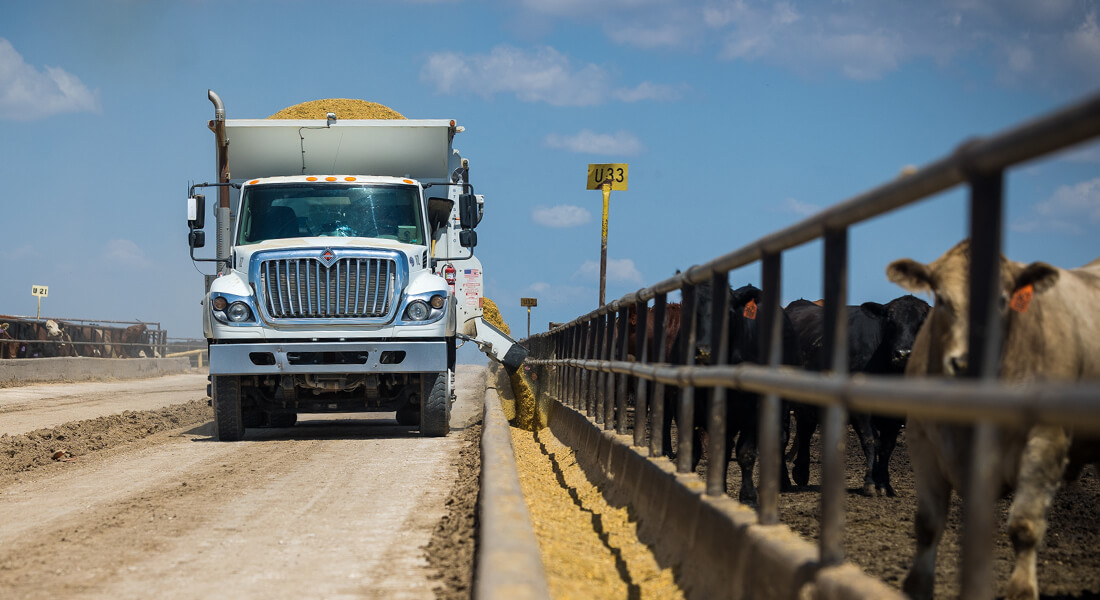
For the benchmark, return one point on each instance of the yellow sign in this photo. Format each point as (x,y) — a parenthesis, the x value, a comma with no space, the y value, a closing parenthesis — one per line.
(617,172)
(40,290)
(528,301)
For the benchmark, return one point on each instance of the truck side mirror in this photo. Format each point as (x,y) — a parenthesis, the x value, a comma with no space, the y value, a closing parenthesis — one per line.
(467,238)
(196,213)
(467,212)
(196,238)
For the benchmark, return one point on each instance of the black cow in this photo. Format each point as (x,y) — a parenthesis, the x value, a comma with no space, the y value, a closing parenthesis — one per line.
(880,338)
(743,408)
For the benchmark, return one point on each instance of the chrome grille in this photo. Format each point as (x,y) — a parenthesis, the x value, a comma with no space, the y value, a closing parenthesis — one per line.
(304,288)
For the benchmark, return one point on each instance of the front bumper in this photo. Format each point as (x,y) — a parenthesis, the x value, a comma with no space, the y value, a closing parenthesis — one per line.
(328,357)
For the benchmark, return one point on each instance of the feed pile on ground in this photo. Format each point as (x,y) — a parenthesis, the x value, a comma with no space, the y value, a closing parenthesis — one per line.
(344,108)
(452,547)
(589,548)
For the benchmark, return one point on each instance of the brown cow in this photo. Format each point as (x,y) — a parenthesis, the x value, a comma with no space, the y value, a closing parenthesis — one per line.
(8,349)
(1051,332)
(132,336)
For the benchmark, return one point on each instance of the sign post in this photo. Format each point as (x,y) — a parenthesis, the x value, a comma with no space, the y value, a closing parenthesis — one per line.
(528,302)
(606,177)
(40,291)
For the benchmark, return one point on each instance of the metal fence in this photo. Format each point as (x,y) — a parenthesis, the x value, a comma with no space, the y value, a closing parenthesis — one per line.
(29,337)
(593,374)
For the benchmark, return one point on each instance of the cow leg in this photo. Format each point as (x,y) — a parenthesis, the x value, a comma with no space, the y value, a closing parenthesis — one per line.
(746,459)
(933,502)
(862,425)
(806,420)
(1041,468)
(886,430)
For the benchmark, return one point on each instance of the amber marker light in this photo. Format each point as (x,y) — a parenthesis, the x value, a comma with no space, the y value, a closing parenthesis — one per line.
(311,179)
(349,179)
(330,179)
(410,181)
(254,182)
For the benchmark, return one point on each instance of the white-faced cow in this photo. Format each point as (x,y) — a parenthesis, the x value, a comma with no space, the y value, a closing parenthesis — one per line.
(880,338)
(1051,331)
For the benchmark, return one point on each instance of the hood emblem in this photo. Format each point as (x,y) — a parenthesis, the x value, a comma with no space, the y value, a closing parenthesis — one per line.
(328,257)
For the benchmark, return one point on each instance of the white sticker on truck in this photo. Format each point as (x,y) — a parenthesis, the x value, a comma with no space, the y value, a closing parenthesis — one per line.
(471,286)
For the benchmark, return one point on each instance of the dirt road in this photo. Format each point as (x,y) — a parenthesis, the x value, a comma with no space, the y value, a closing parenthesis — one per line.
(337,506)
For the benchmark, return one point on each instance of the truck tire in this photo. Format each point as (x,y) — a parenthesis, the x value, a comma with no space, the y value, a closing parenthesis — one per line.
(435,404)
(228,420)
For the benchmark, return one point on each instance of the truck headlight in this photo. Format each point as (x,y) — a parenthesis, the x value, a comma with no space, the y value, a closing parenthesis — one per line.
(239,312)
(417,311)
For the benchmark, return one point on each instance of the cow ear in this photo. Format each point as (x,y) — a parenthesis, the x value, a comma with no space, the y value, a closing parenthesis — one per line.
(742,295)
(1039,275)
(910,275)
(873,310)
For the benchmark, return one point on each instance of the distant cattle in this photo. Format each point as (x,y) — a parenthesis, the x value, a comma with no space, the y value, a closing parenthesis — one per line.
(8,348)
(1051,331)
(135,341)
(743,408)
(880,338)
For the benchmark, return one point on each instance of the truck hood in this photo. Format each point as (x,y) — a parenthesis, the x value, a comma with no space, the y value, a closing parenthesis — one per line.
(414,252)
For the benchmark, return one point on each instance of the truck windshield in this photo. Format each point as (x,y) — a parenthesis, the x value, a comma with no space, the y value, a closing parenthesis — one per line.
(270,212)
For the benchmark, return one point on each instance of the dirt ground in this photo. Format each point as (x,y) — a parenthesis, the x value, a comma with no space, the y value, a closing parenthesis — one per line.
(879,535)
(337,506)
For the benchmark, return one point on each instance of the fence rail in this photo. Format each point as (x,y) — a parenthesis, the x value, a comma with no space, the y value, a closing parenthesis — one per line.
(591,351)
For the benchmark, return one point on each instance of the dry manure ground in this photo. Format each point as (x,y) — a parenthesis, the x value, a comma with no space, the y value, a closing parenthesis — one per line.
(453,546)
(879,535)
(78,440)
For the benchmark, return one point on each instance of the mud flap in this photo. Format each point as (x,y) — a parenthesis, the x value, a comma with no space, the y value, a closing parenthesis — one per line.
(497,345)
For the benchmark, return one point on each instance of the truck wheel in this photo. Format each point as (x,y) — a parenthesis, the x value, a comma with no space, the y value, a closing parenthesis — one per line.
(228,420)
(435,404)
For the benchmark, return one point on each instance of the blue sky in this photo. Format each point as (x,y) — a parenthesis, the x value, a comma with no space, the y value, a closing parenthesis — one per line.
(737,118)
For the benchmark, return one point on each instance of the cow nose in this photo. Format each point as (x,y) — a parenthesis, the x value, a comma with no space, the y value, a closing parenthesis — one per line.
(958,364)
(902,354)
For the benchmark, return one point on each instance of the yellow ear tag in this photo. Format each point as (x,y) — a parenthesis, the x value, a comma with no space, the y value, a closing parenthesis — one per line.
(750,310)
(1021,298)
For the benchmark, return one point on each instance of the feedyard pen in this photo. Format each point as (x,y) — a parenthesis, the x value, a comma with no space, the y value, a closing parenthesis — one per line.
(584,366)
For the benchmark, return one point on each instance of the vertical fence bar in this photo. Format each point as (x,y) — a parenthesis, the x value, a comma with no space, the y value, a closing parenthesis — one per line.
(595,377)
(717,452)
(834,425)
(624,348)
(609,381)
(577,334)
(660,351)
(771,346)
(685,418)
(581,374)
(641,386)
(986,222)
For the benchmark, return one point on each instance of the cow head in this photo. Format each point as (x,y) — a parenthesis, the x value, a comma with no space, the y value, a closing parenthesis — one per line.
(948,279)
(903,319)
(53,329)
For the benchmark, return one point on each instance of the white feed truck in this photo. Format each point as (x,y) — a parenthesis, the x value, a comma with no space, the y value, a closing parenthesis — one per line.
(345,270)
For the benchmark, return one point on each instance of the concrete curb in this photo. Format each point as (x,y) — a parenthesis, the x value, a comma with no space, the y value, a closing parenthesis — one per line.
(716,544)
(23,371)
(508,561)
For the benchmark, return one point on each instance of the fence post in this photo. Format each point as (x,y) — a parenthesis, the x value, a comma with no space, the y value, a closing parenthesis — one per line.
(834,425)
(717,452)
(984,345)
(771,351)
(685,419)
(641,386)
(624,347)
(660,351)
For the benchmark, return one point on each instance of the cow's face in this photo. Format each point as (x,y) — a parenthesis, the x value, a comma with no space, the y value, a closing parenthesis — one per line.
(947,278)
(53,329)
(904,317)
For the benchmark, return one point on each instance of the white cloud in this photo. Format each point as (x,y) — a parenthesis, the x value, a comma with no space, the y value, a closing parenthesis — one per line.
(1070,207)
(618,271)
(125,253)
(797,207)
(542,75)
(586,141)
(556,294)
(648,91)
(27,94)
(562,215)
(539,75)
